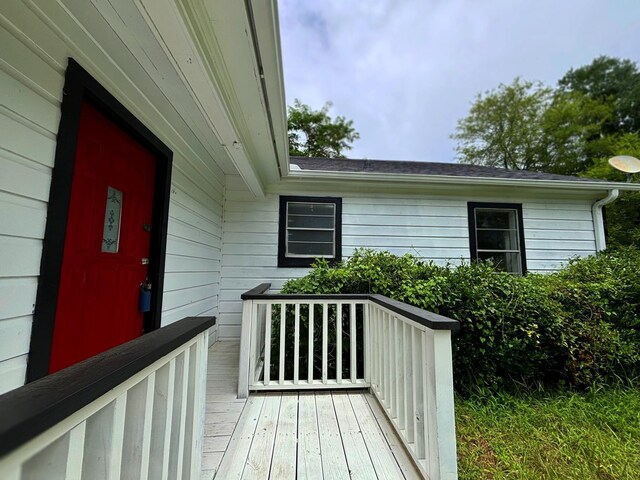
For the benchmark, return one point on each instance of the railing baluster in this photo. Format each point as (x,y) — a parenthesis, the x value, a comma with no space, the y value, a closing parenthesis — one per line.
(75,451)
(393,378)
(408,381)
(267,346)
(245,347)
(353,367)
(378,327)
(325,340)
(161,425)
(198,405)
(283,323)
(418,400)
(428,387)
(312,312)
(339,343)
(386,352)
(399,380)
(253,359)
(296,344)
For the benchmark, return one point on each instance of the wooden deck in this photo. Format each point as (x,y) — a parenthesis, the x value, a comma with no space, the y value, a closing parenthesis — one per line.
(314,435)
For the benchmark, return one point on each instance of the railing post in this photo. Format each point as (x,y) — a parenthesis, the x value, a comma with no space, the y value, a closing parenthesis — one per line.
(245,345)
(442,371)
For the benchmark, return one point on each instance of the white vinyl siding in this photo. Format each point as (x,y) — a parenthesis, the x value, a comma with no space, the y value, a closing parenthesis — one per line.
(429,227)
(33,60)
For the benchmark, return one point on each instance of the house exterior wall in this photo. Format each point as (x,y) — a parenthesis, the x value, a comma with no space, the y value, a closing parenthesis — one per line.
(33,59)
(430,227)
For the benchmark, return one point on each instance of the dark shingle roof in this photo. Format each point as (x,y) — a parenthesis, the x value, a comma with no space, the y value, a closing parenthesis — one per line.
(423,168)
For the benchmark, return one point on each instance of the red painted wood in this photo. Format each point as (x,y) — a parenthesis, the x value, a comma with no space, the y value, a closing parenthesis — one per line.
(98,294)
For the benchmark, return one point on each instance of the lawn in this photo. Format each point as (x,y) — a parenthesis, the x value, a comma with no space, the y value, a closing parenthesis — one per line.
(550,436)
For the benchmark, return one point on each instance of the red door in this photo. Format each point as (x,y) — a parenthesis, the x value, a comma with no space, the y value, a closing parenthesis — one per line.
(107,240)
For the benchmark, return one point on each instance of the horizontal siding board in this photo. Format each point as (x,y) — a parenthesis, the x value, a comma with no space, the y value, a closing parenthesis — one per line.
(186,248)
(19,58)
(20,139)
(22,217)
(195,309)
(180,281)
(23,177)
(541,214)
(555,235)
(179,298)
(15,336)
(177,211)
(557,224)
(19,257)
(12,373)
(403,221)
(19,98)
(176,263)
(461,241)
(180,229)
(17,296)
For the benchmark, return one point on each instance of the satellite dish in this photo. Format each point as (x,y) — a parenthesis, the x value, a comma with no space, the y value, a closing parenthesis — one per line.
(626,164)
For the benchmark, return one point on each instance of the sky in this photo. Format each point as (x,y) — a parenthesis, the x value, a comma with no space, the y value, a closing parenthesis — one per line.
(405,71)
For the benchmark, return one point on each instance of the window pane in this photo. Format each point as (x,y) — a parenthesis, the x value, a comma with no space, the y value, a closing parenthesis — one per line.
(297,208)
(113,212)
(305,221)
(507,262)
(487,218)
(311,249)
(310,236)
(498,240)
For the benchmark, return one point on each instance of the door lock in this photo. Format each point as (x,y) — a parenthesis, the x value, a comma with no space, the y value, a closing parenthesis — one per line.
(144,261)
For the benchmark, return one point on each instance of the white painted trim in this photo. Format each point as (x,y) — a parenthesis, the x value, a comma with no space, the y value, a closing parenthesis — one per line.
(314,175)
(598,220)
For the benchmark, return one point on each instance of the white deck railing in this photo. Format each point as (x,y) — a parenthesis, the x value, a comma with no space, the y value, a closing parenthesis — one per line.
(402,353)
(149,425)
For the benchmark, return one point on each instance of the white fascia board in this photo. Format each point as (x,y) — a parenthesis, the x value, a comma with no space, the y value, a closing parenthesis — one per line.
(341,177)
(167,22)
(267,26)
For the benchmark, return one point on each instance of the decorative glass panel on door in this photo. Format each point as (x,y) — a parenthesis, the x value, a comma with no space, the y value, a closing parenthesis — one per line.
(112,216)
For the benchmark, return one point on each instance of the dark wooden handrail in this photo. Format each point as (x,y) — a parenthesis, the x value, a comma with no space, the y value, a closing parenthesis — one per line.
(30,410)
(423,317)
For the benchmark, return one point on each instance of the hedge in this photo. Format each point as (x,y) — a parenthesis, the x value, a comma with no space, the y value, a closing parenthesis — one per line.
(577,327)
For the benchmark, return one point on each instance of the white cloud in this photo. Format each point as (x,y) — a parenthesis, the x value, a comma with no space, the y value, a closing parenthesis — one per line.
(406,70)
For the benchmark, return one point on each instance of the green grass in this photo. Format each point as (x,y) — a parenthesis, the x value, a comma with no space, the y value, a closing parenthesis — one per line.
(550,435)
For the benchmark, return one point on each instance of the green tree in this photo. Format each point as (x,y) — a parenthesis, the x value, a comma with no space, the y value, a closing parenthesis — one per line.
(504,127)
(571,132)
(623,215)
(609,79)
(313,133)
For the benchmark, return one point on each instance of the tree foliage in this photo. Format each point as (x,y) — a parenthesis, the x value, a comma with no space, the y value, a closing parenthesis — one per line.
(609,79)
(504,127)
(313,133)
(591,115)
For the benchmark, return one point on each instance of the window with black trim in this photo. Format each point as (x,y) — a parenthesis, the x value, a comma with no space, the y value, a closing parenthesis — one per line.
(310,228)
(496,233)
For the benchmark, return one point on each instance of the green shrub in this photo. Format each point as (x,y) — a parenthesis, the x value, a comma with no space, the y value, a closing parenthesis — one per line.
(576,327)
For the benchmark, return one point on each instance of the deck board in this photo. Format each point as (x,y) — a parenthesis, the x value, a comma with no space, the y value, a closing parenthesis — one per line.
(311,435)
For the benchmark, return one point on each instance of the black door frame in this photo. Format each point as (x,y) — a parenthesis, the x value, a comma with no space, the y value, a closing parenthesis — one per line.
(80,86)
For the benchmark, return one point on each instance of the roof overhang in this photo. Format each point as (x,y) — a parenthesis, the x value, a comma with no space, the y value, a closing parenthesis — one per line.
(228,55)
(443,184)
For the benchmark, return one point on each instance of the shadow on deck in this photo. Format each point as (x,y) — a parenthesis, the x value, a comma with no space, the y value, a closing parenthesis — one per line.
(327,434)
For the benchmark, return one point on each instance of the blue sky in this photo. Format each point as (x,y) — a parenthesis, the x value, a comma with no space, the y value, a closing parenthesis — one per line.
(406,70)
